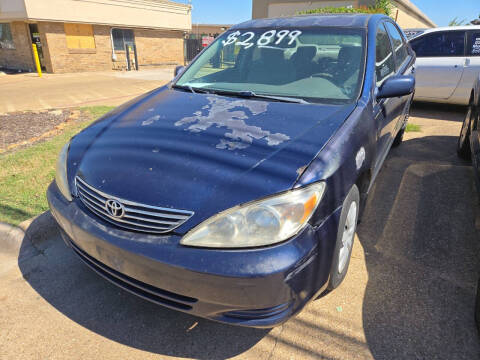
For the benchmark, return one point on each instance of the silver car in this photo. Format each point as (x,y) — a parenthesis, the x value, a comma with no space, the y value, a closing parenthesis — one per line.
(448,62)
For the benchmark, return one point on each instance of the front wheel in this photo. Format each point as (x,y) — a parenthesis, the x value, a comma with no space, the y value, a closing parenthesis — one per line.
(345,236)
(399,138)
(463,145)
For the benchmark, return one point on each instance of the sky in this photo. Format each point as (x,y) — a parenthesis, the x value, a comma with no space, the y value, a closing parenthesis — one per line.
(235,11)
(221,11)
(442,12)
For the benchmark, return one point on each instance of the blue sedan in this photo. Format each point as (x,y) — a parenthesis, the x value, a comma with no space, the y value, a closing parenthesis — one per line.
(233,193)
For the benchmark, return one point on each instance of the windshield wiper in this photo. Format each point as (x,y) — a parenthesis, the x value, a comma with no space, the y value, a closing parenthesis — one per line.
(251,94)
(244,93)
(190,88)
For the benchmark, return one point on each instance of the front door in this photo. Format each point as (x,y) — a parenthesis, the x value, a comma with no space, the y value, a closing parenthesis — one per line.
(440,63)
(35,38)
(384,110)
(403,66)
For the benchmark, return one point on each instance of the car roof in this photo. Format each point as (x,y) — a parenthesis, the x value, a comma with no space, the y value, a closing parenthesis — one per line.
(321,20)
(449,28)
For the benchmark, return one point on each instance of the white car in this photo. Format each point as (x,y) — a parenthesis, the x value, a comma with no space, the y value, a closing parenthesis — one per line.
(448,62)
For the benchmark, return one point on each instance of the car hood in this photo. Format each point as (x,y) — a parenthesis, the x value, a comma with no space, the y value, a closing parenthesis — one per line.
(200,152)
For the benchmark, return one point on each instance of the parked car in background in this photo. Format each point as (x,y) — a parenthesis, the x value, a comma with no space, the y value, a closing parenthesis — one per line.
(411,33)
(233,193)
(448,62)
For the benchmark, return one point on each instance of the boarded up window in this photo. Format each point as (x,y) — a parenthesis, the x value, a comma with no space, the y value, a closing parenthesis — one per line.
(79,36)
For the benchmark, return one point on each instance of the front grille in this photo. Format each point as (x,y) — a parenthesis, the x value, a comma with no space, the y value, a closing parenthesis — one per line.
(134,216)
(145,291)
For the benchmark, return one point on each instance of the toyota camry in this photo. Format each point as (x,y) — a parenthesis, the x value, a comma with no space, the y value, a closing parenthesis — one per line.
(233,192)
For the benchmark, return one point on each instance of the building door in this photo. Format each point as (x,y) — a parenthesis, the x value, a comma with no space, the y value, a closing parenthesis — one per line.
(123,45)
(35,38)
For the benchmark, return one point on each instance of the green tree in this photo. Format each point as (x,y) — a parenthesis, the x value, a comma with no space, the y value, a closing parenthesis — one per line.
(380,7)
(385,5)
(456,22)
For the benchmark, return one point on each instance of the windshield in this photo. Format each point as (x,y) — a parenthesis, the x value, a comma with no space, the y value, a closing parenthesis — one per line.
(314,64)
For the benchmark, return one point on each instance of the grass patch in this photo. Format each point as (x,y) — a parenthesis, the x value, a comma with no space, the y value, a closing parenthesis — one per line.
(26,174)
(97,111)
(413,128)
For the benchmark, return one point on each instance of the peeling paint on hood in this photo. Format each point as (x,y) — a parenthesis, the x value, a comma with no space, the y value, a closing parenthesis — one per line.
(177,154)
(221,112)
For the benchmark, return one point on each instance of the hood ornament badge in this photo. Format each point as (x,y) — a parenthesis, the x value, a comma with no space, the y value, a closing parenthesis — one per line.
(115,209)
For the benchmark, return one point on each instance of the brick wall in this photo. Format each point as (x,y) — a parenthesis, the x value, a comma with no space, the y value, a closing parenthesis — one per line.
(154,47)
(21,57)
(408,19)
(60,59)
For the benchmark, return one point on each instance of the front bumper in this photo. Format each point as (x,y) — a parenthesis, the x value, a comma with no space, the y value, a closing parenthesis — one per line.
(252,287)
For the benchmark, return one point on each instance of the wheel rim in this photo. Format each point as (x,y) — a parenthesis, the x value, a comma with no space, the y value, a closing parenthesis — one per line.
(347,237)
(465,125)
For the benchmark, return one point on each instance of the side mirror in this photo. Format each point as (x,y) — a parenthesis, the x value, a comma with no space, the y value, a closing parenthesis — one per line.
(396,86)
(178,70)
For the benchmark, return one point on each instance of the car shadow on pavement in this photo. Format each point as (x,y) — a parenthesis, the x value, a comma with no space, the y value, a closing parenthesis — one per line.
(422,257)
(422,254)
(62,279)
(438,112)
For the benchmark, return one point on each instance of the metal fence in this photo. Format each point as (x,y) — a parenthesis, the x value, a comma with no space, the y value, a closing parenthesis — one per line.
(192,48)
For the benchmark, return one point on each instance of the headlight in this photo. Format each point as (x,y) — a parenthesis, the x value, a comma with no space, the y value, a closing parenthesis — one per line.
(259,223)
(61,175)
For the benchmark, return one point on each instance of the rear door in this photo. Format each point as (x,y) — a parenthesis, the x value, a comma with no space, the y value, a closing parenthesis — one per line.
(473,54)
(440,63)
(471,68)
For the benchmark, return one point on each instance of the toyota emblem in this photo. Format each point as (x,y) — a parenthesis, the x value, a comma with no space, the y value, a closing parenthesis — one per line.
(115,209)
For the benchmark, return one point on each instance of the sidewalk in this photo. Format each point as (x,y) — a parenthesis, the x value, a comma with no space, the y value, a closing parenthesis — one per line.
(21,92)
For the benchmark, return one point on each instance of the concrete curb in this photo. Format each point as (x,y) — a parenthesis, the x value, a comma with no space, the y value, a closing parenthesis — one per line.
(11,238)
(36,230)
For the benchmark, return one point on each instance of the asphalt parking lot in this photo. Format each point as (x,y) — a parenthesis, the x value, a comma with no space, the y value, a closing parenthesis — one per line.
(409,293)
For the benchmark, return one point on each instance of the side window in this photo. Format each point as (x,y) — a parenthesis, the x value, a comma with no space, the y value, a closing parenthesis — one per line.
(6,39)
(384,63)
(401,52)
(474,48)
(440,44)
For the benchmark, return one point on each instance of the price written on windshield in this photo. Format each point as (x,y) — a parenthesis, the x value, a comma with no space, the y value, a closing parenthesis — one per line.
(267,38)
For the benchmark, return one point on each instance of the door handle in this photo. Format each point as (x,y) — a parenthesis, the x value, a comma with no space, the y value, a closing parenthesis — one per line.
(467,62)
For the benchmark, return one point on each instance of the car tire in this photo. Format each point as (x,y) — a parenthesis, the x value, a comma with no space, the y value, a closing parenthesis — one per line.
(463,145)
(345,236)
(399,138)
